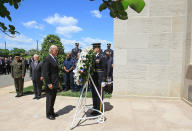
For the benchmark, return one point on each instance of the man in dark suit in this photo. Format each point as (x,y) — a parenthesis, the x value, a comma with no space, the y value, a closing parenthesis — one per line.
(36,75)
(51,77)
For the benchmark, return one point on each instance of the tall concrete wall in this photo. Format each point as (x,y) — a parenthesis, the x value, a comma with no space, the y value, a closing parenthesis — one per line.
(149,50)
(186,92)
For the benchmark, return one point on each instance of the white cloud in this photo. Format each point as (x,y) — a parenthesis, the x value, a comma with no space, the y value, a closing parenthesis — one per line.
(61,20)
(67,30)
(20,38)
(96,13)
(94,40)
(20,41)
(65,25)
(83,42)
(33,24)
(68,42)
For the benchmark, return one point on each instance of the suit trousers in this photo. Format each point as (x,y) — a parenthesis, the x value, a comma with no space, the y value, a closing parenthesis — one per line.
(37,85)
(19,85)
(97,78)
(50,100)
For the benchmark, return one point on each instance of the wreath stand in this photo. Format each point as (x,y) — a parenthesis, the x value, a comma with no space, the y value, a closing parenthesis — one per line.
(83,107)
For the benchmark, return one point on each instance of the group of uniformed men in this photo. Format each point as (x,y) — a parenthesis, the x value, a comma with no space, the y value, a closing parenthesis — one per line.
(72,58)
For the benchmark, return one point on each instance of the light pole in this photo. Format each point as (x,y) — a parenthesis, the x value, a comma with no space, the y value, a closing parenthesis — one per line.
(5,45)
(37,46)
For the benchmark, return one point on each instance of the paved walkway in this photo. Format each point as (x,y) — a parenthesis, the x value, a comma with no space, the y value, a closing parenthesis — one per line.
(122,114)
(6,80)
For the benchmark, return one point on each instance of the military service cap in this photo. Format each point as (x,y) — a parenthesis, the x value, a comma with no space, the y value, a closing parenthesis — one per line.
(16,54)
(96,45)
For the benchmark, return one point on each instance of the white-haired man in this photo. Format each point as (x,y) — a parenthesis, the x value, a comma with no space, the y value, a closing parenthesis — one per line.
(51,77)
(36,75)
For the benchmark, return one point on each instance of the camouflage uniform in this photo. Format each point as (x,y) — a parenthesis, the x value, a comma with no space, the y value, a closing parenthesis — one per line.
(17,71)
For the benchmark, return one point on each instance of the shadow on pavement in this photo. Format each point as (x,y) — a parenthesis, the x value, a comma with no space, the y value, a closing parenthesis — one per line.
(28,93)
(65,110)
(108,106)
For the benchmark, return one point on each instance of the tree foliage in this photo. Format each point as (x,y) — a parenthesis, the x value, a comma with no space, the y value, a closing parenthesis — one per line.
(5,13)
(53,40)
(17,51)
(4,52)
(31,52)
(118,7)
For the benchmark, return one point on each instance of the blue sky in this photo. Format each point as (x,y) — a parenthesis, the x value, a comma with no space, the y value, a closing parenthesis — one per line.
(72,20)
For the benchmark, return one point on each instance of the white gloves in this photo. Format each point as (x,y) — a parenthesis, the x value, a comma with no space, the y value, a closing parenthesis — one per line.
(103,84)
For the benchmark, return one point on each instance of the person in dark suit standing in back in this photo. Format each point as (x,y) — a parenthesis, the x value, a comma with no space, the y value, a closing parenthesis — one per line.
(36,75)
(51,77)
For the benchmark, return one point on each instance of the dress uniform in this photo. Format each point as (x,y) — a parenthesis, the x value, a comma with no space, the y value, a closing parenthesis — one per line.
(18,74)
(98,77)
(75,51)
(109,49)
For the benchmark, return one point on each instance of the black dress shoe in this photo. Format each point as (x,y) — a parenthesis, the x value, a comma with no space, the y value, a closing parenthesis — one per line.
(38,97)
(17,96)
(35,97)
(51,117)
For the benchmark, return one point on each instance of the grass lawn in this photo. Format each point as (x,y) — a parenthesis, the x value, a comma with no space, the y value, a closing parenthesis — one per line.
(29,90)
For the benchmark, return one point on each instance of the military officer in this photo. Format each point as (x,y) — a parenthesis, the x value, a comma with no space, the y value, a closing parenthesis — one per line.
(109,50)
(98,77)
(75,51)
(18,74)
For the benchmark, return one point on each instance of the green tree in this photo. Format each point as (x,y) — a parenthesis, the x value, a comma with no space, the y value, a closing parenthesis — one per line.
(4,52)
(18,51)
(32,52)
(54,40)
(5,13)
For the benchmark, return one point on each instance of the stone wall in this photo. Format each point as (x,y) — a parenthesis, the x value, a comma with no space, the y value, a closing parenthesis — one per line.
(186,92)
(149,50)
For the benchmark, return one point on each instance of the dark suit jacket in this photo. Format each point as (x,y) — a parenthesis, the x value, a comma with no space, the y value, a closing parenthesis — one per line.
(51,71)
(37,72)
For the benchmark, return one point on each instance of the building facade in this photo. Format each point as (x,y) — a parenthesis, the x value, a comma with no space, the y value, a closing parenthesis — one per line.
(153,50)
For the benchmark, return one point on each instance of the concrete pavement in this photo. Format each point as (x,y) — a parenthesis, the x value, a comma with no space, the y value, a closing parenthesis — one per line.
(7,80)
(122,114)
